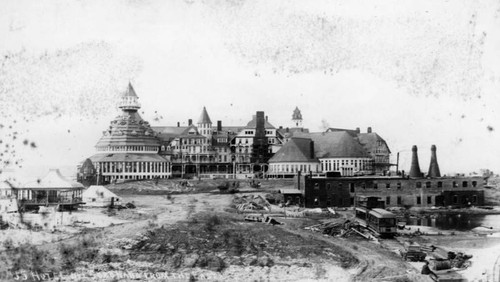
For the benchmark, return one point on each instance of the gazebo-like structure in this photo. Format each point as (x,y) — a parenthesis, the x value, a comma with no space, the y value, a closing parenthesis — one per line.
(52,190)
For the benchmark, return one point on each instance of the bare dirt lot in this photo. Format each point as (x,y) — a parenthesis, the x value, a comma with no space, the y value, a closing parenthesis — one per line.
(199,236)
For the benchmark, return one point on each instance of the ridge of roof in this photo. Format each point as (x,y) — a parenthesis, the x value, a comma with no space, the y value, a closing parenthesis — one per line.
(337,144)
(53,179)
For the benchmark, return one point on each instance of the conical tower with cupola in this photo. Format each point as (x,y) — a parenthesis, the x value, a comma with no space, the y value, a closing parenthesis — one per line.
(129,132)
(205,124)
(129,148)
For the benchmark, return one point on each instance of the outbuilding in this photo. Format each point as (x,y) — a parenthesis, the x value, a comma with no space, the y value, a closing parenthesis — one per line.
(99,196)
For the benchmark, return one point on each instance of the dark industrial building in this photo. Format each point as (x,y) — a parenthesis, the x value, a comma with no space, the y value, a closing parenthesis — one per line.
(411,190)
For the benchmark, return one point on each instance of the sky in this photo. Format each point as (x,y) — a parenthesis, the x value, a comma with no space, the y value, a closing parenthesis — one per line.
(417,72)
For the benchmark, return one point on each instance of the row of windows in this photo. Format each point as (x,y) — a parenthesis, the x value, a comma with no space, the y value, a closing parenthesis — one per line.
(455,200)
(292,168)
(195,141)
(337,164)
(428,184)
(251,132)
(128,148)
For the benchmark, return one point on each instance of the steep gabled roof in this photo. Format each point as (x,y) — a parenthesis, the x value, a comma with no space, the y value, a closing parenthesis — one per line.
(168,133)
(204,118)
(370,140)
(337,144)
(295,150)
(253,124)
(191,127)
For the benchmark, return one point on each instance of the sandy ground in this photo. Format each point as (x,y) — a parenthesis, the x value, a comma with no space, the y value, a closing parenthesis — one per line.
(378,261)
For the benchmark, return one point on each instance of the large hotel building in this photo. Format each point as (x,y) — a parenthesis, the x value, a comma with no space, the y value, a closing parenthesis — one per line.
(334,166)
(132,149)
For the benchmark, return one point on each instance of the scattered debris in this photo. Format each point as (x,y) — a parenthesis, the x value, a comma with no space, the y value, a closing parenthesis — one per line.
(413,252)
(341,229)
(254,184)
(275,198)
(130,206)
(251,203)
(229,187)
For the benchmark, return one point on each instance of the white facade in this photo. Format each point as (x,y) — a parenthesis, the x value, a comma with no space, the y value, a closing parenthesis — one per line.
(293,167)
(346,166)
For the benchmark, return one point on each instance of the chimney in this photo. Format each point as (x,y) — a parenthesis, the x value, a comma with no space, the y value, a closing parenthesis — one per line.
(219,125)
(178,124)
(311,149)
(415,168)
(358,130)
(266,118)
(369,130)
(260,125)
(190,122)
(434,167)
(281,127)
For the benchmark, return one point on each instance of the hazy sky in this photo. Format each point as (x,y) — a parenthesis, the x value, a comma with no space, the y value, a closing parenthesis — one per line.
(417,72)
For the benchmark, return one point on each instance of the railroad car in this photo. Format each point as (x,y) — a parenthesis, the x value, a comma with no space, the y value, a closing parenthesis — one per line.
(379,221)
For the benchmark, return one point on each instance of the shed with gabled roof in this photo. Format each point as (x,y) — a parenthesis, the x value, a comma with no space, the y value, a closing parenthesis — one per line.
(99,196)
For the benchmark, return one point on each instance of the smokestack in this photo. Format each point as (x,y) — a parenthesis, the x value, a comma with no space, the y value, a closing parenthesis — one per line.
(260,130)
(311,149)
(178,124)
(369,130)
(219,125)
(434,167)
(415,168)
(190,122)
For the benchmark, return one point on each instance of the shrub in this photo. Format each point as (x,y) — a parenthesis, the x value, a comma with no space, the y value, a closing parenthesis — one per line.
(84,249)
(212,222)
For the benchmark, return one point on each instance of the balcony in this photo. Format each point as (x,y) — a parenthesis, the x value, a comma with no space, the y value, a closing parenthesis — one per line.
(51,201)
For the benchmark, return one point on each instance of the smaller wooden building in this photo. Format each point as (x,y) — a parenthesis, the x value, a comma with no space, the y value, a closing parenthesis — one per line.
(52,190)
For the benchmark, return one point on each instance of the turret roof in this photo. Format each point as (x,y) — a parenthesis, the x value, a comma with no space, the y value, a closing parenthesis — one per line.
(130,91)
(296,114)
(204,118)
(128,129)
(295,150)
